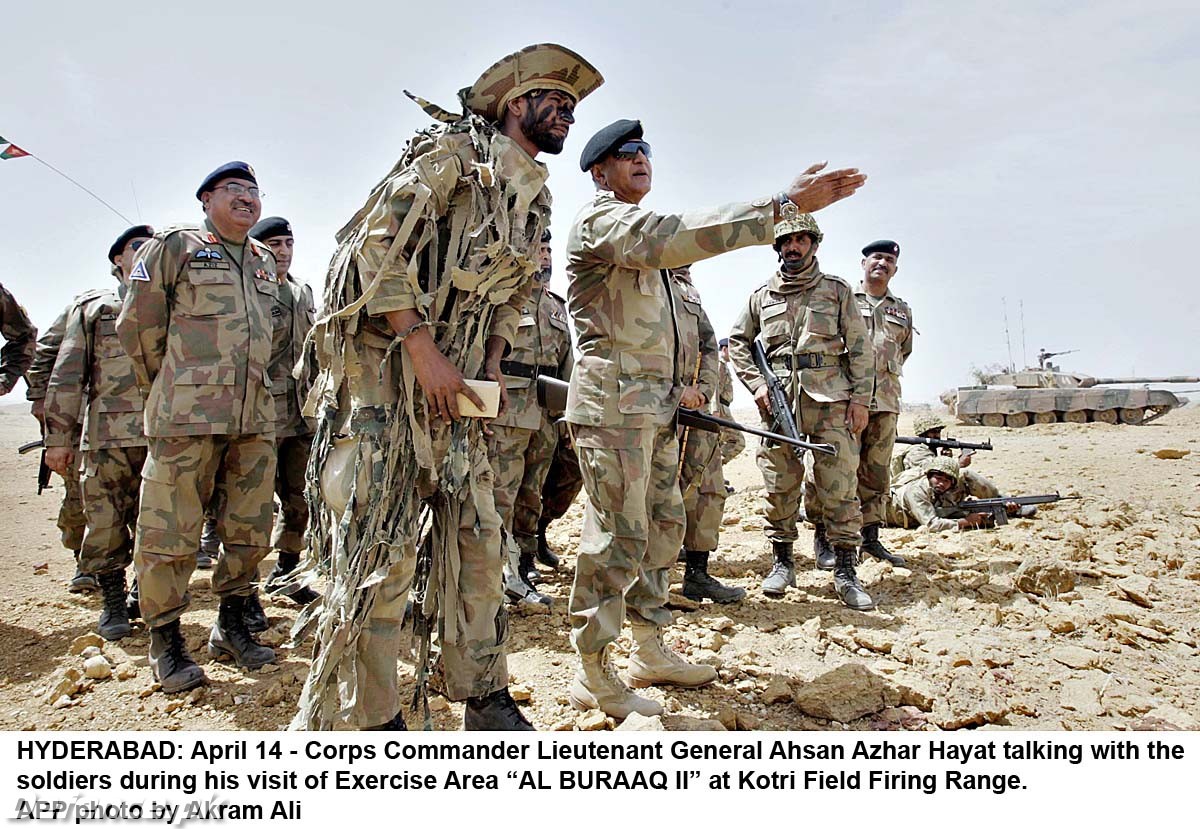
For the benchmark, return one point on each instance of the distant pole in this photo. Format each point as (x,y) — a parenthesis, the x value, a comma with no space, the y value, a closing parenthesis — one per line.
(136,204)
(1007,337)
(1024,358)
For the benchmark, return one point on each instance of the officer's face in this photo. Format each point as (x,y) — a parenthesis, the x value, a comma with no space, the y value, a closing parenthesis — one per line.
(233,215)
(124,259)
(879,266)
(544,263)
(628,178)
(796,248)
(282,247)
(940,482)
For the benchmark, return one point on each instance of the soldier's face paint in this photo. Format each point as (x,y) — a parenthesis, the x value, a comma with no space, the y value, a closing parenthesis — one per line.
(233,214)
(941,483)
(879,268)
(547,119)
(282,247)
(796,251)
(629,178)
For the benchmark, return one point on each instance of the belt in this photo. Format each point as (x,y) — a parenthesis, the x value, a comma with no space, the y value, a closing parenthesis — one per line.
(801,361)
(526,370)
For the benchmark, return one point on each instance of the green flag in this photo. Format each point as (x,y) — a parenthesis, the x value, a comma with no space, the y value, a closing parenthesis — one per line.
(11,151)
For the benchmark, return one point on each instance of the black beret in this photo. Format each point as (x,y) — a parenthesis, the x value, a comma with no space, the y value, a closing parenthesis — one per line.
(143,231)
(882,246)
(234,169)
(271,227)
(608,139)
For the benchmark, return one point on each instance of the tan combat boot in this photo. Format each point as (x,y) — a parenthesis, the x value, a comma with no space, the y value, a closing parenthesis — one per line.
(653,663)
(597,685)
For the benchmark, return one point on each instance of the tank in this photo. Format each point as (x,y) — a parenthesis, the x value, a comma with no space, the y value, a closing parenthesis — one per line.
(1046,394)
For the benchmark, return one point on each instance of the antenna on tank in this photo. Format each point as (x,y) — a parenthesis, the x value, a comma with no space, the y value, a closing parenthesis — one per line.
(1007,337)
(1024,359)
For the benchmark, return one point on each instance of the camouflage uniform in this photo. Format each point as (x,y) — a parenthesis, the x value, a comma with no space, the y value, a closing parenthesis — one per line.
(809,319)
(196,324)
(563,484)
(20,340)
(623,396)
(93,374)
(913,503)
(393,256)
(732,441)
(524,438)
(71,520)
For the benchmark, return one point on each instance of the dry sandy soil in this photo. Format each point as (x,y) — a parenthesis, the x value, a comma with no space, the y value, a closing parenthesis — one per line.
(1082,618)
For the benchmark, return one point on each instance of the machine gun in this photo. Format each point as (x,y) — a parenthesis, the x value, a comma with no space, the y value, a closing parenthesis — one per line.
(552,396)
(997,507)
(781,410)
(1044,357)
(43,470)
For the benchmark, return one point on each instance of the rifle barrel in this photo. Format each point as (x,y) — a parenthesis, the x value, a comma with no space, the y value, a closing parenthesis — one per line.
(823,448)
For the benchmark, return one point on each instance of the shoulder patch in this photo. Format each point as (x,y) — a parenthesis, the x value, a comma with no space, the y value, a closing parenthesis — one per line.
(140,274)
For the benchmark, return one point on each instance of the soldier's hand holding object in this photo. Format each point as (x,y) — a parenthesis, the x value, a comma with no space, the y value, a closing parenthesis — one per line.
(692,398)
(762,399)
(60,458)
(441,381)
(975,521)
(814,189)
(856,418)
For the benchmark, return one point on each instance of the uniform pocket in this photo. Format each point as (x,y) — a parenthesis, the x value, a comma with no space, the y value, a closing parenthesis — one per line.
(644,383)
(210,292)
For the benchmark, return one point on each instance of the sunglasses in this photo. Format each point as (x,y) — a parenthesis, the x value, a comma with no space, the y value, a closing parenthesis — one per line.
(630,149)
(137,243)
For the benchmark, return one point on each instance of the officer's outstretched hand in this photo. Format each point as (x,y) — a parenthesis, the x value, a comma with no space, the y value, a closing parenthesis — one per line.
(814,189)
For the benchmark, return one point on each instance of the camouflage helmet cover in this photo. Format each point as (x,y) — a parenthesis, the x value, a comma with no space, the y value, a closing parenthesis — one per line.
(792,221)
(944,465)
(541,66)
(927,422)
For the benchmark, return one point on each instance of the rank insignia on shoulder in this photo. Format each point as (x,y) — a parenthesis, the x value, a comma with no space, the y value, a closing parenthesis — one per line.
(262,274)
(140,274)
(211,238)
(897,313)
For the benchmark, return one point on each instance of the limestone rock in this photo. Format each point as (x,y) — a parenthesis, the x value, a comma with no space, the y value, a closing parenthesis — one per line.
(846,693)
(1171,454)
(126,671)
(88,640)
(520,693)
(638,722)
(272,694)
(64,683)
(678,601)
(748,722)
(686,723)
(874,640)
(727,717)
(89,652)
(1076,657)
(97,667)
(915,691)
(1137,589)
(1059,623)
(777,690)
(1044,577)
(1081,696)
(594,720)
(438,703)
(972,699)
(721,623)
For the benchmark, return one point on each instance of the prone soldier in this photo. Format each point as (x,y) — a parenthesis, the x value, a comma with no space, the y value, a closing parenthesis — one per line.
(93,375)
(931,497)
(814,339)
(196,324)
(628,382)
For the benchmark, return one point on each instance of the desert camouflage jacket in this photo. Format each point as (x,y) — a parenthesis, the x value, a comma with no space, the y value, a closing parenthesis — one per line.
(724,388)
(889,324)
(821,324)
(292,318)
(543,341)
(38,376)
(631,370)
(916,505)
(20,340)
(93,374)
(196,323)
(697,338)
(910,456)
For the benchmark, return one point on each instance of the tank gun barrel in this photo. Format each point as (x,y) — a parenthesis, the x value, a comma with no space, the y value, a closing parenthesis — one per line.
(1088,382)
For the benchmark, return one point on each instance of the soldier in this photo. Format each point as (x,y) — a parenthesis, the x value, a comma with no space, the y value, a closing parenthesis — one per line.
(732,441)
(916,455)
(424,294)
(524,437)
(889,325)
(92,374)
(196,323)
(930,498)
(815,341)
(20,341)
(628,382)
(71,520)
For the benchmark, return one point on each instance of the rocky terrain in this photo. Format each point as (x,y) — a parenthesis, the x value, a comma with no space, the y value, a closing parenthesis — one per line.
(1081,618)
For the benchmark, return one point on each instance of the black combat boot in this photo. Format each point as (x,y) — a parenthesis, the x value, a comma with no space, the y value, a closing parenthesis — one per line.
(284,565)
(81,582)
(396,723)
(173,667)
(210,545)
(872,546)
(846,583)
(253,613)
(544,554)
(699,585)
(783,571)
(114,618)
(230,637)
(822,550)
(526,570)
(495,712)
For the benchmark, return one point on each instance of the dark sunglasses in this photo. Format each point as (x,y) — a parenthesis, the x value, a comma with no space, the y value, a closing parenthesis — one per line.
(630,149)
(137,243)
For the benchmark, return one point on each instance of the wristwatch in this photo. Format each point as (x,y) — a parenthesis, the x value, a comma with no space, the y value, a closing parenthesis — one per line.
(781,198)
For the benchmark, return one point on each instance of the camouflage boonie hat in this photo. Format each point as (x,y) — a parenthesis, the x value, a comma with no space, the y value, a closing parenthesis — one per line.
(542,66)
(793,221)
(947,466)
(927,422)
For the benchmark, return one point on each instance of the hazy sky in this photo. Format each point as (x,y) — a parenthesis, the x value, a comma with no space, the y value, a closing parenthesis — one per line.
(1033,153)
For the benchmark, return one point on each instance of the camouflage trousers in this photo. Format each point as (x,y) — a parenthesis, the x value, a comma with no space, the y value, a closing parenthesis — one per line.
(291,515)
(71,519)
(632,530)
(180,477)
(111,480)
(875,465)
(563,484)
(832,496)
(703,486)
(732,444)
(521,461)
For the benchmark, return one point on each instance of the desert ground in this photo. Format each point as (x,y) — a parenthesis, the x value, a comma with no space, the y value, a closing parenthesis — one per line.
(1081,618)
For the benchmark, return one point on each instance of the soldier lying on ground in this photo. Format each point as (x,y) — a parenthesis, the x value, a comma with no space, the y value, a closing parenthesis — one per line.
(931,498)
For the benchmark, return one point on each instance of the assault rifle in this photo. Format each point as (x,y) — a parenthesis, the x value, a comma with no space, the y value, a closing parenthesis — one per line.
(995,507)
(552,396)
(43,470)
(781,410)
